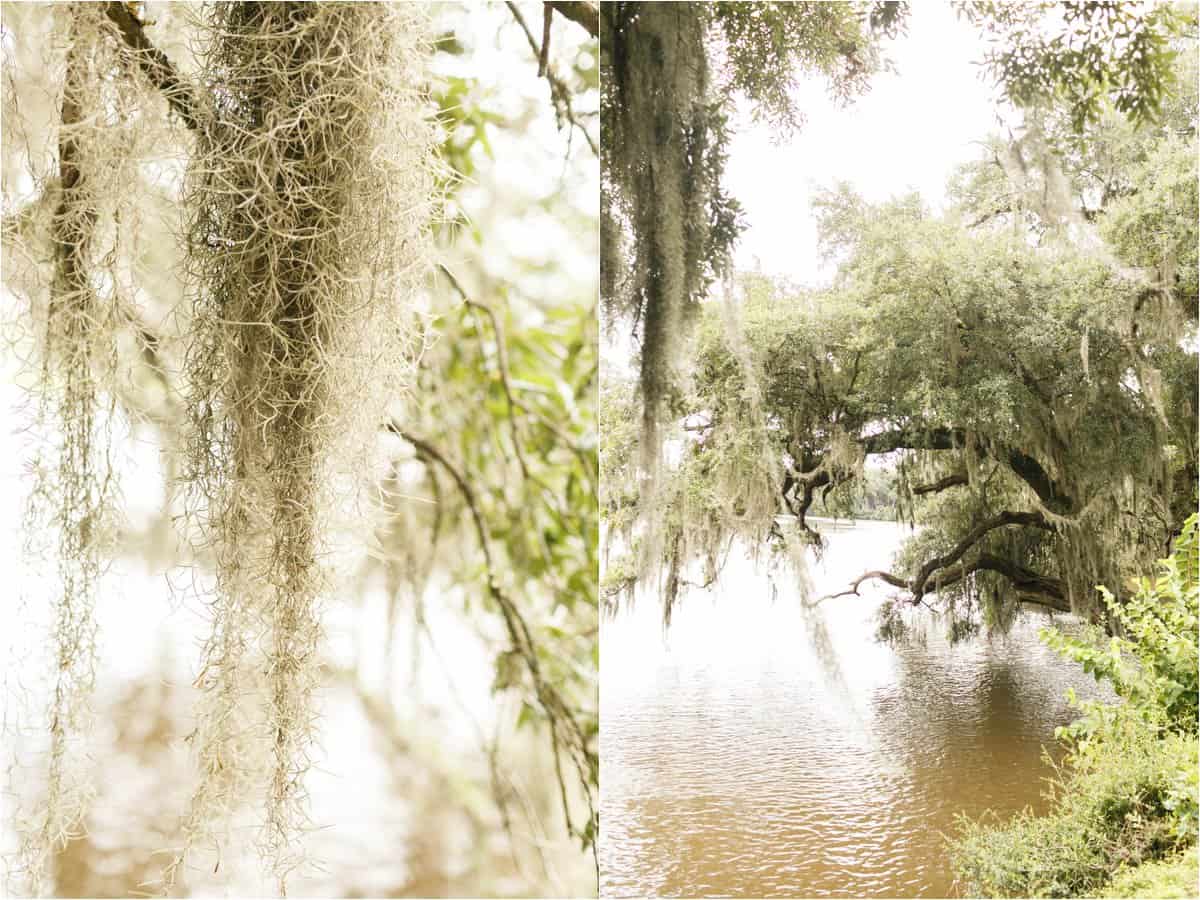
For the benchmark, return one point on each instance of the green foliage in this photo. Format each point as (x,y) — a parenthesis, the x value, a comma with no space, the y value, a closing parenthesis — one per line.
(1114,814)
(1088,173)
(618,452)
(466,123)
(671,69)
(669,74)
(1132,790)
(1152,226)
(1028,352)
(768,47)
(1154,665)
(507,398)
(964,350)
(1084,55)
(1171,879)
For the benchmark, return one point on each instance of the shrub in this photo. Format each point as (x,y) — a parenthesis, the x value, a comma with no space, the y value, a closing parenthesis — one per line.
(1173,879)
(1155,667)
(1125,809)
(1128,792)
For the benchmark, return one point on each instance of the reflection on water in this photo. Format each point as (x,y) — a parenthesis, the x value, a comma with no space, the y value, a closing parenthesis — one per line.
(767,748)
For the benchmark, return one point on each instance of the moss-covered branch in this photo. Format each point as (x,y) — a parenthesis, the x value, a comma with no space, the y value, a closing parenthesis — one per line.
(155,64)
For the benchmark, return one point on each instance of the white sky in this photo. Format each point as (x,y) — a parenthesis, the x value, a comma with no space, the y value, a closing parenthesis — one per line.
(908,132)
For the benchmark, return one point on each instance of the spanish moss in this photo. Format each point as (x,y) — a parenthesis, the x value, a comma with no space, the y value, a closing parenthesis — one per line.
(310,196)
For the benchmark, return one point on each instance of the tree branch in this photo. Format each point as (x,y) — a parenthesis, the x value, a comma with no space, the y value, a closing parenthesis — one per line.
(1024,466)
(894,580)
(1024,580)
(914,439)
(501,359)
(558,713)
(1048,490)
(920,583)
(1031,587)
(513,403)
(953,480)
(808,483)
(560,95)
(155,64)
(580,12)
(544,54)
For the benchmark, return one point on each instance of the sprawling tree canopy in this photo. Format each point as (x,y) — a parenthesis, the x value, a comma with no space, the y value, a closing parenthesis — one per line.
(1026,361)
(669,73)
(672,72)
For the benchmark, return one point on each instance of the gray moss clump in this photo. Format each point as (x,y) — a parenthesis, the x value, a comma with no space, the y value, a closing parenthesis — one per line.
(310,196)
(663,155)
(77,306)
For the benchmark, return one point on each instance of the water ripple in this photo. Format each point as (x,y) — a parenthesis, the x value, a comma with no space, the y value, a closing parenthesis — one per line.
(760,751)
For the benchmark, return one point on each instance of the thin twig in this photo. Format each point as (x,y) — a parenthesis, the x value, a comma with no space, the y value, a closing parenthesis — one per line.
(544,55)
(502,361)
(560,94)
(557,711)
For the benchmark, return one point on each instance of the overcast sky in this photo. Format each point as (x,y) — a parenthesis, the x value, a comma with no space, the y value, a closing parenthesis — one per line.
(908,132)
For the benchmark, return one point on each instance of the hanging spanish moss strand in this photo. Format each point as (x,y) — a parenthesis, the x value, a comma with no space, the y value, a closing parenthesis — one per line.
(664,155)
(310,193)
(73,493)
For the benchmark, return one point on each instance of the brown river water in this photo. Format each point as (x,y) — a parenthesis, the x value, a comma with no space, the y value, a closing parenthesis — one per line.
(763,747)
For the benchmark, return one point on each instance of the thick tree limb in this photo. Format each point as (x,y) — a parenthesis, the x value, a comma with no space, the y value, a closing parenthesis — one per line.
(155,64)
(1031,587)
(914,439)
(942,484)
(1024,466)
(799,488)
(920,583)
(947,569)
(808,482)
(580,12)
(1048,490)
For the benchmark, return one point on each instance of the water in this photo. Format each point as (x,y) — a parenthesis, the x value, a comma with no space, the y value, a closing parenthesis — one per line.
(765,748)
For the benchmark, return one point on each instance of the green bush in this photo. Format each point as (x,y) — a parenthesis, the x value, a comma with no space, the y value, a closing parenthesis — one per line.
(1173,879)
(1155,668)
(1121,811)
(1127,794)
